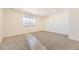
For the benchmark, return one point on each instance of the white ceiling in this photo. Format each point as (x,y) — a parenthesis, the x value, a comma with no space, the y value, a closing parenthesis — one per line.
(43,11)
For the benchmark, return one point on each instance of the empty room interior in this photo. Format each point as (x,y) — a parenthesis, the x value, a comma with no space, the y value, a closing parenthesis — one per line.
(39,28)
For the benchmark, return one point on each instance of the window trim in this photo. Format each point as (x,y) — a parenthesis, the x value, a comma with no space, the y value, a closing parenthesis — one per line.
(30,23)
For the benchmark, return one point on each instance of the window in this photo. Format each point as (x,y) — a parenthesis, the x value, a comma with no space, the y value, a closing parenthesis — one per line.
(28,21)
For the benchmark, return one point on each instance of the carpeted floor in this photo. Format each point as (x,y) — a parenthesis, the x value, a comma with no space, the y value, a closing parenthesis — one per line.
(55,41)
(14,43)
(46,40)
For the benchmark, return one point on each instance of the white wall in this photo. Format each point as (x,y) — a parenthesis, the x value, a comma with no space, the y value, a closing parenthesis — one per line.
(12,23)
(74,24)
(0,24)
(58,23)
(64,23)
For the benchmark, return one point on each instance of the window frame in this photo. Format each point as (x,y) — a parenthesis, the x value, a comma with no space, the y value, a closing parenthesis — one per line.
(30,22)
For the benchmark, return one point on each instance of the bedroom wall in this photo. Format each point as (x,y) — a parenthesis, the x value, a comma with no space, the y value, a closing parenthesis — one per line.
(74,24)
(0,24)
(58,23)
(13,23)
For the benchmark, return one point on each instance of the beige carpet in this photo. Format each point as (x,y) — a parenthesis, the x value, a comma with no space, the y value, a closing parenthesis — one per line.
(14,43)
(34,43)
(51,41)
(55,41)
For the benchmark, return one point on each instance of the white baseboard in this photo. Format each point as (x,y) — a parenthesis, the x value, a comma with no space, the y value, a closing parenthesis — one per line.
(16,34)
(56,32)
(73,38)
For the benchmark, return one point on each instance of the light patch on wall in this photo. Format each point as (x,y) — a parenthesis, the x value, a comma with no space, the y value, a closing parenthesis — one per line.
(28,21)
